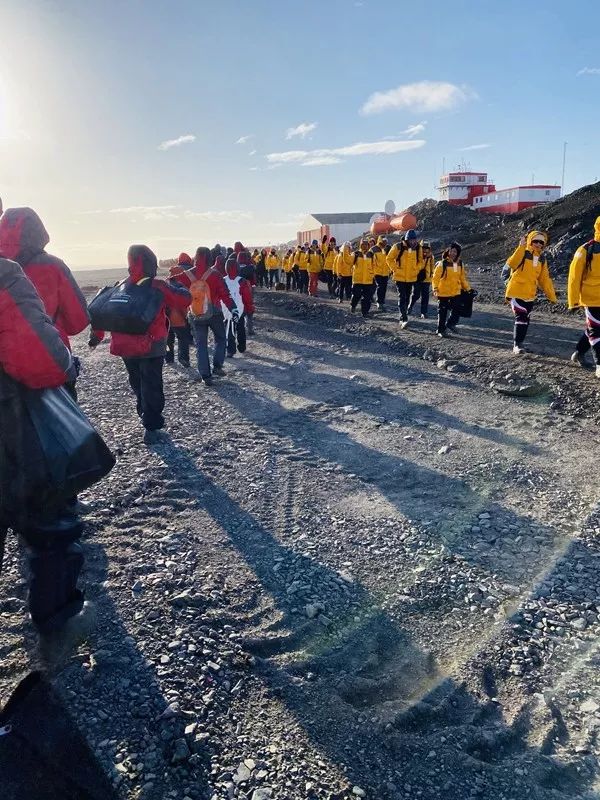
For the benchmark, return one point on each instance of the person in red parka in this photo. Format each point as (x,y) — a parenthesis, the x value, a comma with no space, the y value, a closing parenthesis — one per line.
(179,326)
(247,270)
(241,294)
(33,355)
(203,270)
(143,354)
(23,238)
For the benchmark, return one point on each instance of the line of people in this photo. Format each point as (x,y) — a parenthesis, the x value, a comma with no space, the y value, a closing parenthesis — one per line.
(361,276)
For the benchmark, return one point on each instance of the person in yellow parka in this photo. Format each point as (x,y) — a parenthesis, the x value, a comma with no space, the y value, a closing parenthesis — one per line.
(302,262)
(405,261)
(381,271)
(272,264)
(288,269)
(315,265)
(448,281)
(583,290)
(329,250)
(362,279)
(344,266)
(528,272)
(423,284)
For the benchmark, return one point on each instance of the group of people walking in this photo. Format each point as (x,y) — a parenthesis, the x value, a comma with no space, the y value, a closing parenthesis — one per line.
(361,275)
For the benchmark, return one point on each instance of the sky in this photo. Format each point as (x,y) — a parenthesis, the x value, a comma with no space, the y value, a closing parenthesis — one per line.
(178,123)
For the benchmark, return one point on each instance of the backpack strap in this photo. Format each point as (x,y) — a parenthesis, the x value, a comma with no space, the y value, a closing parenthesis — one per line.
(589,253)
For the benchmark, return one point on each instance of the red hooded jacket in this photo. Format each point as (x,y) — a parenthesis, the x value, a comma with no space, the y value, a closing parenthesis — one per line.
(245,288)
(143,264)
(31,349)
(23,239)
(215,281)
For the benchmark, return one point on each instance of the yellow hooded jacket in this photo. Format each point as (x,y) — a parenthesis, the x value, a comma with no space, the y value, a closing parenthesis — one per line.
(345,263)
(584,281)
(428,266)
(302,260)
(272,261)
(288,262)
(315,261)
(329,260)
(526,275)
(380,264)
(362,272)
(449,279)
(405,264)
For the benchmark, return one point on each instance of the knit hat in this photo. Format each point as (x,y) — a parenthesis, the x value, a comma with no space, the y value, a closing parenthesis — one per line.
(409,235)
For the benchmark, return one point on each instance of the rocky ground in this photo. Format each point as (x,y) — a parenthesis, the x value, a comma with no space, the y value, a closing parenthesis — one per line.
(365,564)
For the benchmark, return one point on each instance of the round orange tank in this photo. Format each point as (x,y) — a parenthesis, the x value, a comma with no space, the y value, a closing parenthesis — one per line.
(403,222)
(380,226)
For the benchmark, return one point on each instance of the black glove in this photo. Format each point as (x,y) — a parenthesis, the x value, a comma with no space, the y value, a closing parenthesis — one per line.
(235,316)
(77,365)
(94,341)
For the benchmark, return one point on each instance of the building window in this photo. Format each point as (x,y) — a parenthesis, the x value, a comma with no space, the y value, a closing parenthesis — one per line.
(547,192)
(481,178)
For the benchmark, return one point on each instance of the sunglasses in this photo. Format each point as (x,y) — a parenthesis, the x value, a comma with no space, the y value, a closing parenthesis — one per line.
(541,242)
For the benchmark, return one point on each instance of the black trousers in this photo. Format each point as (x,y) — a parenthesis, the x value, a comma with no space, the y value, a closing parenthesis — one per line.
(273,275)
(445,305)
(330,282)
(303,281)
(364,293)
(55,559)
(146,380)
(381,282)
(522,311)
(345,286)
(236,339)
(404,292)
(591,338)
(261,276)
(184,340)
(290,281)
(420,292)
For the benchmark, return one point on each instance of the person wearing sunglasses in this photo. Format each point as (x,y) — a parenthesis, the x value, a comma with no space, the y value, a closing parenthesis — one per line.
(528,273)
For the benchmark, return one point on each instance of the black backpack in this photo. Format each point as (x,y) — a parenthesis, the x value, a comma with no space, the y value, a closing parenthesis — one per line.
(126,307)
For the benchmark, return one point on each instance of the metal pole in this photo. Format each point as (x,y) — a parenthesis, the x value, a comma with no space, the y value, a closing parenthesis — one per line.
(562,185)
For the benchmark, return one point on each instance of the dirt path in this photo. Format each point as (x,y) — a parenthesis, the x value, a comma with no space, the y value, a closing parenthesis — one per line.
(354,569)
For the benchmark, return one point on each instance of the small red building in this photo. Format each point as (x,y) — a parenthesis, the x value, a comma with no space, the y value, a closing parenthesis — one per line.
(461,188)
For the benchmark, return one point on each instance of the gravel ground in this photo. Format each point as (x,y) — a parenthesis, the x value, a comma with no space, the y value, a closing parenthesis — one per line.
(355,568)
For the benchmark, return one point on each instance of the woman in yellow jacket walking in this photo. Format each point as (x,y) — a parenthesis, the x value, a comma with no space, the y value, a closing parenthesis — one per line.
(584,291)
(423,283)
(301,261)
(381,271)
(405,261)
(288,269)
(272,263)
(329,250)
(344,265)
(528,272)
(448,281)
(362,279)
(315,265)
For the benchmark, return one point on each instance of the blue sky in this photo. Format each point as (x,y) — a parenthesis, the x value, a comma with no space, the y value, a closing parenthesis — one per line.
(90,90)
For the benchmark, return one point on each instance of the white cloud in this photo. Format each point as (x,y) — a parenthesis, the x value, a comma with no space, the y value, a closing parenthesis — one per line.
(219,216)
(422,96)
(188,138)
(253,152)
(146,212)
(589,71)
(301,130)
(321,161)
(244,139)
(253,169)
(474,147)
(324,156)
(415,130)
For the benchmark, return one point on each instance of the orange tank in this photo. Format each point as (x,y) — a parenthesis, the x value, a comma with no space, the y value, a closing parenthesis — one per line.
(380,226)
(403,222)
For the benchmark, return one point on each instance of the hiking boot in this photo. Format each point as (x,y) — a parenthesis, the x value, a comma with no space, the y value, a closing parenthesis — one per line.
(78,509)
(403,324)
(442,334)
(423,316)
(151,437)
(518,351)
(340,301)
(208,381)
(57,647)
(452,329)
(578,359)
(352,310)
(169,358)
(219,372)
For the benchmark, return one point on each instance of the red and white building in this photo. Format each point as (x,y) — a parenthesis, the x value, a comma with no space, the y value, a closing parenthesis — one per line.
(509,201)
(476,190)
(461,188)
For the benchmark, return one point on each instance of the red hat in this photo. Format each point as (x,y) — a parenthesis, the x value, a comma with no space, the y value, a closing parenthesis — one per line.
(185,259)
